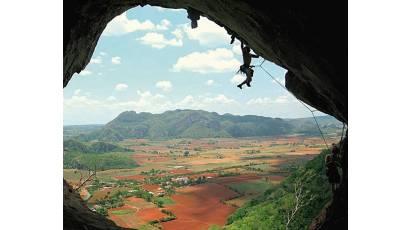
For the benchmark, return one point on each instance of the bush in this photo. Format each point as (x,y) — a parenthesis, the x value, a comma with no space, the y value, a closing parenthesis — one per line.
(102,211)
(269,210)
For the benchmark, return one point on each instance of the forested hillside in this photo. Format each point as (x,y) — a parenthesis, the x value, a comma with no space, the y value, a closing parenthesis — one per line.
(96,155)
(202,124)
(271,210)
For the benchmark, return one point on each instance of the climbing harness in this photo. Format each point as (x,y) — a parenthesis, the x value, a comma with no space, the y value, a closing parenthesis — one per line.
(312,111)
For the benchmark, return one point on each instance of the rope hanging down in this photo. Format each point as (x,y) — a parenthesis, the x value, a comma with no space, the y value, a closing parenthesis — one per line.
(312,111)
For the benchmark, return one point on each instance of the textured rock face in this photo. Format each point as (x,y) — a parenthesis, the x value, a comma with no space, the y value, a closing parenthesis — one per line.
(310,41)
(334,214)
(78,217)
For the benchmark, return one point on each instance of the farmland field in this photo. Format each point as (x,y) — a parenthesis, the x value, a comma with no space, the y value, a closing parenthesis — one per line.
(191,183)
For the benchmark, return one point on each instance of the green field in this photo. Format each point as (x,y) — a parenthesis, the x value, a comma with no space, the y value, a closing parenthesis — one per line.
(122,212)
(166,200)
(251,187)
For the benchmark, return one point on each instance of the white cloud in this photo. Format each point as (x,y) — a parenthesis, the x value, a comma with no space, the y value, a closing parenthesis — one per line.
(237,79)
(96,60)
(165,86)
(77,92)
(81,108)
(164,25)
(207,33)
(177,33)
(219,102)
(188,100)
(210,82)
(103,53)
(284,99)
(161,9)
(222,99)
(121,25)
(121,87)
(264,101)
(158,41)
(111,98)
(152,102)
(237,48)
(212,61)
(85,72)
(116,60)
(260,101)
(145,101)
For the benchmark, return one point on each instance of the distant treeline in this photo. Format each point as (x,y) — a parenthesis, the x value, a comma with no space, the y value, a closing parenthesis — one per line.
(97,155)
(202,124)
(94,147)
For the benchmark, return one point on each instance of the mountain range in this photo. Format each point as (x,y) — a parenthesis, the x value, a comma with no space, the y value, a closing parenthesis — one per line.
(200,124)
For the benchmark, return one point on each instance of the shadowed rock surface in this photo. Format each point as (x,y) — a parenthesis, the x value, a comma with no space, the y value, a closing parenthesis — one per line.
(78,217)
(310,41)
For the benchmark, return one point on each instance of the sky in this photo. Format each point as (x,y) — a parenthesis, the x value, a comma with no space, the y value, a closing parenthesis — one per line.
(148,59)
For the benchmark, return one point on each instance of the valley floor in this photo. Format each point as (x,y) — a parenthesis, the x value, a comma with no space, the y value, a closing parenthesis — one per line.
(192,183)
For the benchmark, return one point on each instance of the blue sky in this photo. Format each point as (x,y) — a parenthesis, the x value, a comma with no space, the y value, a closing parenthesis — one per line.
(150,60)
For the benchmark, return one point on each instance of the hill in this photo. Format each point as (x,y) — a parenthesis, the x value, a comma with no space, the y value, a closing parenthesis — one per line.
(269,211)
(75,130)
(201,124)
(96,155)
(72,145)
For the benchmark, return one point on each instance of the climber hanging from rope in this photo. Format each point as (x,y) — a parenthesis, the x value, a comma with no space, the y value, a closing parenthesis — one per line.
(246,68)
(332,165)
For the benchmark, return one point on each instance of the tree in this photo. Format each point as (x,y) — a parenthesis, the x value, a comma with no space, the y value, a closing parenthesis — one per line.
(186,153)
(91,175)
(302,197)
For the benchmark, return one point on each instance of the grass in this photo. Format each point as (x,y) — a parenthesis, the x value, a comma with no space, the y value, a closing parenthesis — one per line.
(122,212)
(166,200)
(251,187)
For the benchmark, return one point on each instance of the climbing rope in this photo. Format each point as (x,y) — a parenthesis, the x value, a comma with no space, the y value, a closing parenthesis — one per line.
(312,111)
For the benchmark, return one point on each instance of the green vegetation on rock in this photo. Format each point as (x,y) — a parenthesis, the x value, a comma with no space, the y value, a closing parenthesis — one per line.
(270,210)
(200,124)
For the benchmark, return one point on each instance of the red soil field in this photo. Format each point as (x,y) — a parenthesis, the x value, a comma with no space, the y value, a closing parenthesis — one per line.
(151,187)
(135,199)
(179,171)
(236,179)
(199,207)
(124,207)
(276,178)
(150,214)
(137,217)
(131,177)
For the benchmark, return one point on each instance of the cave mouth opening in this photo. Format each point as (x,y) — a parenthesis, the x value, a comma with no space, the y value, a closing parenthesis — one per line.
(135,44)
(316,86)
(291,37)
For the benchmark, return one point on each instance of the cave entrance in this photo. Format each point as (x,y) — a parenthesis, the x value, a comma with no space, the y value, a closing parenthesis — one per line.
(155,64)
(141,50)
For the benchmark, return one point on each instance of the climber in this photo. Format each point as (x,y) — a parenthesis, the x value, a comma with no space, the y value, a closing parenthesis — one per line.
(194,16)
(246,68)
(332,171)
(335,152)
